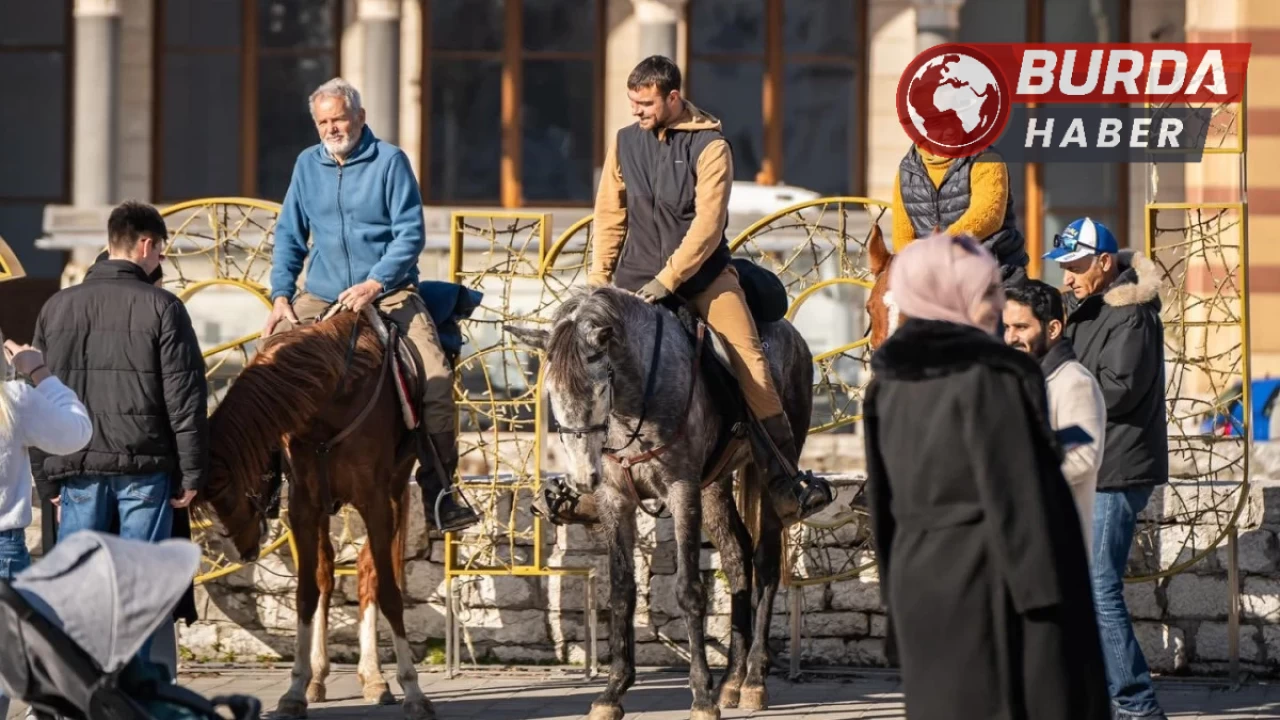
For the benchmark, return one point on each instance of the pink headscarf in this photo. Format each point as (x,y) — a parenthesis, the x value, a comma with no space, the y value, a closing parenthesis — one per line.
(942,277)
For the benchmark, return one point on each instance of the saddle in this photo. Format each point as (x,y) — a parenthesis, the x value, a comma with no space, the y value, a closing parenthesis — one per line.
(767,302)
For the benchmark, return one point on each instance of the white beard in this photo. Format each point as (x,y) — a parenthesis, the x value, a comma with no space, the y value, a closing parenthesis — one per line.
(340,148)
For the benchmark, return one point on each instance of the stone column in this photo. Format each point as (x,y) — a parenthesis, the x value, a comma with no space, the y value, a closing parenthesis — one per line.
(97,93)
(381,92)
(658,20)
(937,22)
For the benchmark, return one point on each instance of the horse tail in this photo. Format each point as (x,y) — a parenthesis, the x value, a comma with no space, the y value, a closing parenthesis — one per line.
(279,394)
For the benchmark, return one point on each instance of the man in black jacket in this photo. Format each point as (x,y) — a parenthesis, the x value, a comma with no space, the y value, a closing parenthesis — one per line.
(1114,323)
(128,350)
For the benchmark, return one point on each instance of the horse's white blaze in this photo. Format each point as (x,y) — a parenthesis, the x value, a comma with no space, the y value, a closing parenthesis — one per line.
(300,676)
(370,669)
(406,673)
(895,314)
(320,640)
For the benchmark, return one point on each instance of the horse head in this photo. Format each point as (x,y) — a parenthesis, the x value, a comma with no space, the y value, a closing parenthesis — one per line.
(591,371)
(884,314)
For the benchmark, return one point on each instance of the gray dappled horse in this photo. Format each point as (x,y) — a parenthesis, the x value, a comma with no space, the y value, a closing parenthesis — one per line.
(638,421)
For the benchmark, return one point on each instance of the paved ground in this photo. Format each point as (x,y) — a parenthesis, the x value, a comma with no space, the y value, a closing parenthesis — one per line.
(546,695)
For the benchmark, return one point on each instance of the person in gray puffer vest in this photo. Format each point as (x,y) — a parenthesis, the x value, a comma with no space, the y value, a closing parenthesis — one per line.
(968,195)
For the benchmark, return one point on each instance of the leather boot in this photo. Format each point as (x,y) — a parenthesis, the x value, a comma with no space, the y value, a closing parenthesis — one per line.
(796,495)
(446,509)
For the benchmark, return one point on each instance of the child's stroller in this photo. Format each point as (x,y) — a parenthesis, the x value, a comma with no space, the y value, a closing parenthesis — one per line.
(72,624)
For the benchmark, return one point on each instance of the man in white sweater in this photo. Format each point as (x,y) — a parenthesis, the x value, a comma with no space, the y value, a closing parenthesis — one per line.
(1034,317)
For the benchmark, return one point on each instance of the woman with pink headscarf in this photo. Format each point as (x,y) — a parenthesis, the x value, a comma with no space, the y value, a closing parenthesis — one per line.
(983,572)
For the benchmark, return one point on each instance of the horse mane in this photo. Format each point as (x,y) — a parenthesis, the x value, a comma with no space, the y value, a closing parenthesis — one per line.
(572,336)
(280,392)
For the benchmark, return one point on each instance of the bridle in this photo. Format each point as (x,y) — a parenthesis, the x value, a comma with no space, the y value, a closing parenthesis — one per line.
(627,462)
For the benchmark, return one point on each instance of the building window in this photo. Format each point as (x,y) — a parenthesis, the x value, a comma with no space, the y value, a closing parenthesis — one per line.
(232,81)
(35,168)
(788,84)
(526,71)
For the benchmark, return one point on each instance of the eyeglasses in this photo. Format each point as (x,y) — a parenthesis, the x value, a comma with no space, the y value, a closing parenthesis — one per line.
(1071,243)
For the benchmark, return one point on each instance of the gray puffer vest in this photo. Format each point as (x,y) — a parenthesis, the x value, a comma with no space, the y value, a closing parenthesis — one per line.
(929,207)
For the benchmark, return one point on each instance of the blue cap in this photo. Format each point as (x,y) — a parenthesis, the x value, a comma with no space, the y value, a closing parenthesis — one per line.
(1080,239)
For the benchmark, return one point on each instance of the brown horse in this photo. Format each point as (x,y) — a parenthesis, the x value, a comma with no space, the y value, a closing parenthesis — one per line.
(306,390)
(884,315)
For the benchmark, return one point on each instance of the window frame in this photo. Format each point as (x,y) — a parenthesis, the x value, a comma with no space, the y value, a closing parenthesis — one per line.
(512,56)
(68,50)
(774,59)
(250,52)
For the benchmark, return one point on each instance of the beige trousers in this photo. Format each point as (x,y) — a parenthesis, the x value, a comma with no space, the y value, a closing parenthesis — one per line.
(407,310)
(724,307)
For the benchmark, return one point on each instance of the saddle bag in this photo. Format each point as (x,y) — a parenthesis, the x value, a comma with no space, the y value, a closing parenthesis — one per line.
(766,295)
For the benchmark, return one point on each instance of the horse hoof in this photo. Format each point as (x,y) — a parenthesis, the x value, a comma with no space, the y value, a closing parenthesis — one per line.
(315,693)
(379,694)
(754,697)
(710,714)
(290,708)
(419,709)
(605,712)
(729,696)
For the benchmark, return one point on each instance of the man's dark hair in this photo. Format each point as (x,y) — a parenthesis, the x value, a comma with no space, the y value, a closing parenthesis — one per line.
(130,222)
(657,71)
(1044,300)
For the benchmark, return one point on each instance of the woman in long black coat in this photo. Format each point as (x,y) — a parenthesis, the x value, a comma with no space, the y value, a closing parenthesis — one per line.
(981,559)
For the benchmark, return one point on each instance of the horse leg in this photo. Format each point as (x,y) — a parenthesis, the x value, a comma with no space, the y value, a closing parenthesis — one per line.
(768,569)
(369,671)
(304,519)
(722,523)
(620,536)
(320,621)
(691,595)
(385,523)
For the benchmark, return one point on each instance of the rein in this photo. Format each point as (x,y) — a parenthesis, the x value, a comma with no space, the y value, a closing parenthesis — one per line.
(627,462)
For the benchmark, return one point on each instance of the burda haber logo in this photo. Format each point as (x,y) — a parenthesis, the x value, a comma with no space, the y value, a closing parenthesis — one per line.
(1071,102)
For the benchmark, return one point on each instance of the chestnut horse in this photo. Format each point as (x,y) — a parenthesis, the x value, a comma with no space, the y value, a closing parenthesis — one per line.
(881,309)
(322,392)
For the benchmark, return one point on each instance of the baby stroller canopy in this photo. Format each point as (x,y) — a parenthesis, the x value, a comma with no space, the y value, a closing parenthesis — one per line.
(72,624)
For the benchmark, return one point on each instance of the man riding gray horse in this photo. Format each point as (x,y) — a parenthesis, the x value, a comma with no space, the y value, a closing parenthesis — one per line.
(660,217)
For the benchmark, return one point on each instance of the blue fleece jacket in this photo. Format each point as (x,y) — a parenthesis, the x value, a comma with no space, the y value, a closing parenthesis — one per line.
(364,218)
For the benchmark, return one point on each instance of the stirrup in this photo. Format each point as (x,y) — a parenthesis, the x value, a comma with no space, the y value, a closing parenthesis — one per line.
(813,494)
(464,521)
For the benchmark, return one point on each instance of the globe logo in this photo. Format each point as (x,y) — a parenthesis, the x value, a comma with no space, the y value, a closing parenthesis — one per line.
(953,101)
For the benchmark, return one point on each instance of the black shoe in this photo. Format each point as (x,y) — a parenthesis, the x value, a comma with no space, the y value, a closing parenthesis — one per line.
(796,494)
(446,508)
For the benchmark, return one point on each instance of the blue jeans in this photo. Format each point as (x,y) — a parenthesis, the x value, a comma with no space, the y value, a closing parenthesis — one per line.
(142,503)
(1115,517)
(14,558)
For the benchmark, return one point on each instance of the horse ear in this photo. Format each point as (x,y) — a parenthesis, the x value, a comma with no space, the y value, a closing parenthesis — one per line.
(878,250)
(532,337)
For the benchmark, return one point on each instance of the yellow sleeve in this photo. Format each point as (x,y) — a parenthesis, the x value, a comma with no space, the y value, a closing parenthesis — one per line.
(609,221)
(903,233)
(711,214)
(988,197)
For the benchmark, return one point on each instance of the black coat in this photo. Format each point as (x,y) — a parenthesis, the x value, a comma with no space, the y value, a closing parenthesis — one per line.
(1118,335)
(129,352)
(981,560)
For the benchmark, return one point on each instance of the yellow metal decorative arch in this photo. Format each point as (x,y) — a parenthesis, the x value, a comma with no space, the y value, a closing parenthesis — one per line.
(10,266)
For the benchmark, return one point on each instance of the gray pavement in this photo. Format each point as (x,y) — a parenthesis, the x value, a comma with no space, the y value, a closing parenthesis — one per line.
(542,694)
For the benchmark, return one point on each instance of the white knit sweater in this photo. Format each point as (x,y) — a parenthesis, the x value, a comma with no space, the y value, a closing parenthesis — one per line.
(48,417)
(1076,399)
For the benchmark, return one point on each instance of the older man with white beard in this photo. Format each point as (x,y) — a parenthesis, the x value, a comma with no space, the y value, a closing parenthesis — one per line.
(357,199)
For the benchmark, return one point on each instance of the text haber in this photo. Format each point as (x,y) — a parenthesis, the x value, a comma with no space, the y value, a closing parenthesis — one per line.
(1109,133)
(1124,68)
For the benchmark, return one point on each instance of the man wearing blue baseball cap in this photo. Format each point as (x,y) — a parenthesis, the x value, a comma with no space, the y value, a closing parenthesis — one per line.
(1113,321)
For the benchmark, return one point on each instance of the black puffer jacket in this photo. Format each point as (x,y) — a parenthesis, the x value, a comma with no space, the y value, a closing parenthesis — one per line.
(1118,335)
(129,352)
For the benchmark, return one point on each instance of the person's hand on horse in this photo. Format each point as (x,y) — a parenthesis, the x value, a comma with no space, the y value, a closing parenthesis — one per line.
(183,500)
(653,292)
(357,297)
(280,310)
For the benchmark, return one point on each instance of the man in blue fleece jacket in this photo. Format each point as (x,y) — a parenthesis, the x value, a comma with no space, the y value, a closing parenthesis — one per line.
(357,199)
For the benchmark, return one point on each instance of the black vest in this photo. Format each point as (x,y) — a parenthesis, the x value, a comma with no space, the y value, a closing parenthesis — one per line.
(660,177)
(929,207)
